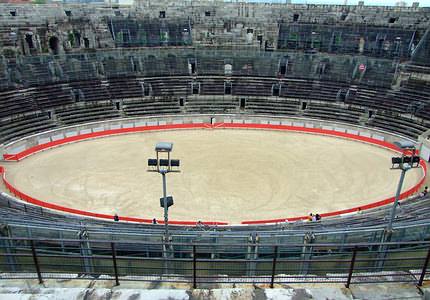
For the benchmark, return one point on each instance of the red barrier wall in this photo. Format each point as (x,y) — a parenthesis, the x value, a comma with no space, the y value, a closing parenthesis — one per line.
(35,149)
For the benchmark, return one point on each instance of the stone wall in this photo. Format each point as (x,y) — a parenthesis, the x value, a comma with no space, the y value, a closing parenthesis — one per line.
(57,29)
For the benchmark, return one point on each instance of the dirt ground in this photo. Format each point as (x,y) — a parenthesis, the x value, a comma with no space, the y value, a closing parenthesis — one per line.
(226,175)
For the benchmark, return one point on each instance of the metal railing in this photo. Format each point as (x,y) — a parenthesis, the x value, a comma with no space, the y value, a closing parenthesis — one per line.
(202,264)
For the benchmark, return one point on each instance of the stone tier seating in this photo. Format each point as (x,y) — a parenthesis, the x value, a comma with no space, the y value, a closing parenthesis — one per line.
(150,106)
(117,67)
(211,86)
(211,66)
(272,106)
(395,123)
(410,98)
(16,214)
(93,90)
(420,93)
(16,102)
(51,96)
(75,69)
(35,73)
(213,104)
(123,88)
(253,87)
(169,66)
(169,87)
(296,88)
(15,128)
(331,112)
(86,113)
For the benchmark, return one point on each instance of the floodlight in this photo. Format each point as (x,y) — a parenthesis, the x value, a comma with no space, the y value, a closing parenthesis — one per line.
(164,162)
(152,162)
(396,160)
(164,147)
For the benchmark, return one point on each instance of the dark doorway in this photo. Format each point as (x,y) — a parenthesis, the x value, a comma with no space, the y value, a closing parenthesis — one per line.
(242,103)
(54,44)
(29,40)
(227,88)
(196,88)
(275,90)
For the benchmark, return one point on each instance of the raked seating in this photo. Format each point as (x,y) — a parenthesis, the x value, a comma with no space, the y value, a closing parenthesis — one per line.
(144,107)
(84,113)
(92,90)
(16,102)
(15,128)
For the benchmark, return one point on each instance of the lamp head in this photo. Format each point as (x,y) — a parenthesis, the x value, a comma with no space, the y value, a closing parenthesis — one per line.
(406,167)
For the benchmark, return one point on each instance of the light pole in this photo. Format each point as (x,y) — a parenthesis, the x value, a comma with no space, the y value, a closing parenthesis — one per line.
(163,164)
(407,161)
(405,167)
(165,206)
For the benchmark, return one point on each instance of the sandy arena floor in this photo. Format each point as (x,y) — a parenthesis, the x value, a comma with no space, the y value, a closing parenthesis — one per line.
(227,175)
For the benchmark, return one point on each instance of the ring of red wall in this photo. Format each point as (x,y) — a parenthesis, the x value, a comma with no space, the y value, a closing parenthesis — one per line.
(35,149)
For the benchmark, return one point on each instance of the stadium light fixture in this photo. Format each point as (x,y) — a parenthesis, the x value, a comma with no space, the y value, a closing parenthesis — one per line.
(407,161)
(163,164)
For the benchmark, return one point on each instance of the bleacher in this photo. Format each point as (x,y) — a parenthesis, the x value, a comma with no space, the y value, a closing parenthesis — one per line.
(17,127)
(146,107)
(16,102)
(332,112)
(399,124)
(211,105)
(92,90)
(143,96)
(274,106)
(125,87)
(85,113)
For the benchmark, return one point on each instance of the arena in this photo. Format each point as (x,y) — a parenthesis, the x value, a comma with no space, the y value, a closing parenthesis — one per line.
(275,111)
(226,175)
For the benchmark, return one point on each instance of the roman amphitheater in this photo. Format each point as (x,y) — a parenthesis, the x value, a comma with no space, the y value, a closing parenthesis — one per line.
(187,143)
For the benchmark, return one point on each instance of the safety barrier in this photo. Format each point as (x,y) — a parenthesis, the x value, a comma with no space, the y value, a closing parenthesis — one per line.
(301,129)
(190,263)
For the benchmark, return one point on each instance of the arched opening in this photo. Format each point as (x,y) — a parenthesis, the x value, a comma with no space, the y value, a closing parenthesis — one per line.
(77,38)
(86,43)
(29,40)
(54,44)
(172,62)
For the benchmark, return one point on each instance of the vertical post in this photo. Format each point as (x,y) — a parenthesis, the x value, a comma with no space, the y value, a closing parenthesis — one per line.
(166,211)
(275,256)
(396,201)
(423,272)
(351,268)
(115,267)
(194,268)
(36,262)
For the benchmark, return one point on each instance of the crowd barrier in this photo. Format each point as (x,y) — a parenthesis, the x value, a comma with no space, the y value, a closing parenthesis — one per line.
(320,131)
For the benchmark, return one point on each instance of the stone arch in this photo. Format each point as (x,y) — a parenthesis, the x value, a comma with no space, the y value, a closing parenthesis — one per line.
(29,40)
(54,45)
